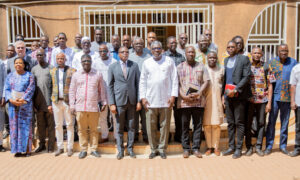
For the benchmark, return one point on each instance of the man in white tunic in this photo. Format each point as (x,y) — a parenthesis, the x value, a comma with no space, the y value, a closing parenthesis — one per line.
(62,40)
(86,49)
(158,89)
(101,64)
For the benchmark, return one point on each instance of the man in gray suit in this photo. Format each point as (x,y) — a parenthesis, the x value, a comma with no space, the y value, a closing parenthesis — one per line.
(123,85)
(21,52)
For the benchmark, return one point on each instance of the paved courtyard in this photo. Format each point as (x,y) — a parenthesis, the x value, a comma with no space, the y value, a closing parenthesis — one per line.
(46,166)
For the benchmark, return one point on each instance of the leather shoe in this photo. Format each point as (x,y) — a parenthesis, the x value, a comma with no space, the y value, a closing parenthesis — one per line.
(2,149)
(95,154)
(208,152)
(197,154)
(82,154)
(295,153)
(249,152)
(131,154)
(217,152)
(259,152)
(284,151)
(237,154)
(268,151)
(146,140)
(186,154)
(40,149)
(58,152)
(70,152)
(103,140)
(152,155)
(120,155)
(163,155)
(18,155)
(228,152)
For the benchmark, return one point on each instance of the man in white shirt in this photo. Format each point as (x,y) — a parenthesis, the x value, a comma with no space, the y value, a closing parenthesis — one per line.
(295,105)
(62,40)
(101,64)
(86,49)
(61,79)
(158,89)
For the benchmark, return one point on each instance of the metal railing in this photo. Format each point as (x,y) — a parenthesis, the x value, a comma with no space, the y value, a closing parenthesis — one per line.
(268,30)
(19,21)
(137,19)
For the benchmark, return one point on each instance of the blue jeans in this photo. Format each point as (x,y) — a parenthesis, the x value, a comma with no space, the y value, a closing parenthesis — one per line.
(285,109)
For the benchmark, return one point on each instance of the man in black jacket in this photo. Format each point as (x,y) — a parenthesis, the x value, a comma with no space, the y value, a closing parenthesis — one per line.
(235,94)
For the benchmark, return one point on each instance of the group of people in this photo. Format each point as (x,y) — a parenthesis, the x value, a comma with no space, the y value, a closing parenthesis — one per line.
(94,82)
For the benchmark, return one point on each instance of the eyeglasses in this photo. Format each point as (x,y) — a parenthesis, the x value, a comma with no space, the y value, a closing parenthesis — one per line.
(104,51)
(157,48)
(85,61)
(124,52)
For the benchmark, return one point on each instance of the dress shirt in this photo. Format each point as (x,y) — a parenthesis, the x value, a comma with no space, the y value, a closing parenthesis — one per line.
(177,57)
(231,62)
(86,91)
(76,63)
(61,82)
(139,59)
(68,52)
(158,81)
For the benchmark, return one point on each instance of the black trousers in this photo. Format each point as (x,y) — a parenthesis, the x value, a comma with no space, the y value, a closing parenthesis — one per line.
(297,140)
(186,114)
(178,124)
(257,110)
(142,114)
(235,114)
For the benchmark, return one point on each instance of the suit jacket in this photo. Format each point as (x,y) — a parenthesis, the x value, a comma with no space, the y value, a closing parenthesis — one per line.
(240,76)
(68,72)
(121,90)
(11,64)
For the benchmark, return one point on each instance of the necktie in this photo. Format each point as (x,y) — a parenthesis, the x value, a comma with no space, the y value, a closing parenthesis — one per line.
(124,70)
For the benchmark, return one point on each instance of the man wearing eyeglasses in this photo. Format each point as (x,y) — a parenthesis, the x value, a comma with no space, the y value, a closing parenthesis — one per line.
(123,85)
(102,64)
(158,89)
(183,39)
(86,91)
(86,49)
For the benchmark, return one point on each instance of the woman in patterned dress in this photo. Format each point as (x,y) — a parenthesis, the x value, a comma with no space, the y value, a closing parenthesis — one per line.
(19,89)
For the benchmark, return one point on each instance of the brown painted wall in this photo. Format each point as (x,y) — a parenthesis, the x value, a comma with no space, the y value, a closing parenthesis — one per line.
(231,18)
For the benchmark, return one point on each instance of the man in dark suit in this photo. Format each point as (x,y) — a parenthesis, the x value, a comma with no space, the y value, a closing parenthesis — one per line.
(235,94)
(123,82)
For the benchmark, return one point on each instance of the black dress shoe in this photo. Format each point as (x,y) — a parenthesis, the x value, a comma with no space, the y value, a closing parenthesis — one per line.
(249,152)
(40,149)
(259,152)
(120,155)
(295,153)
(152,155)
(284,151)
(2,149)
(131,154)
(228,152)
(82,154)
(163,155)
(18,155)
(237,154)
(268,151)
(95,154)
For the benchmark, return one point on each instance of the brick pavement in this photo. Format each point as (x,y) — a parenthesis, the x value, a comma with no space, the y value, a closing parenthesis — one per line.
(46,166)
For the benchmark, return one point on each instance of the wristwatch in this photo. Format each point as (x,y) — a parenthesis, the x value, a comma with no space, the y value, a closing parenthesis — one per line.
(235,91)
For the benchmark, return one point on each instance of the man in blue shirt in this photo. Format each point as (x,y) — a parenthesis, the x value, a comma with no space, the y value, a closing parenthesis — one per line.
(281,66)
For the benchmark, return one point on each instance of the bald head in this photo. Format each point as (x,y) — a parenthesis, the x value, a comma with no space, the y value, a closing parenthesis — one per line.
(60,60)
(190,55)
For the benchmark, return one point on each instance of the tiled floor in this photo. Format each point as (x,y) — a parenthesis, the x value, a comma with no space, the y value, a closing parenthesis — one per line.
(46,166)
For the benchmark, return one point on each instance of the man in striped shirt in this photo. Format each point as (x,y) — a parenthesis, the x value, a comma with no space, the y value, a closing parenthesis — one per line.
(86,91)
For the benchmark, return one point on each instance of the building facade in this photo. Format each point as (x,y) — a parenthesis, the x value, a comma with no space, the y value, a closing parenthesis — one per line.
(261,23)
